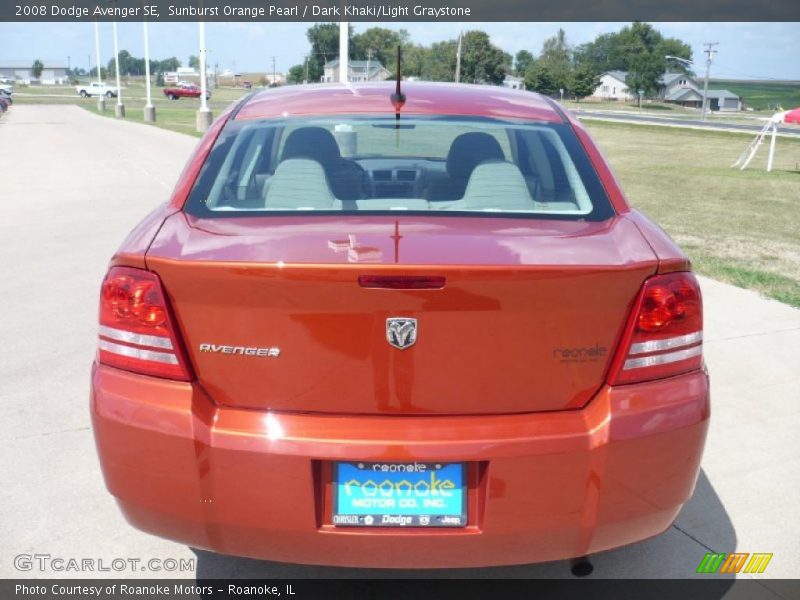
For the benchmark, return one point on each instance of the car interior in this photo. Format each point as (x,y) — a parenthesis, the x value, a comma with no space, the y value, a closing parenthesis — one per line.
(304,167)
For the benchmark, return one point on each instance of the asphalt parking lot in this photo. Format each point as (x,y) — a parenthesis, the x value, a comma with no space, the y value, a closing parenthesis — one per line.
(74,184)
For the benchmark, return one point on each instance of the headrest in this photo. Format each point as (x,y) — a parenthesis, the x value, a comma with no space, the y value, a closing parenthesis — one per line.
(498,185)
(469,150)
(315,143)
(298,183)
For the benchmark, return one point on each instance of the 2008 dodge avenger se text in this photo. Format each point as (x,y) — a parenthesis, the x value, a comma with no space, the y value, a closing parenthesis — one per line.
(400,328)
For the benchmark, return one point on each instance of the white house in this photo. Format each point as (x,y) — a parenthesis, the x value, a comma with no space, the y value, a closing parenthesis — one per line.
(54,72)
(513,82)
(275,78)
(613,87)
(358,70)
(675,88)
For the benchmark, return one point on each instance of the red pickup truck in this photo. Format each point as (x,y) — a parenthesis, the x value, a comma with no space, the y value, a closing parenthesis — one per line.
(184,90)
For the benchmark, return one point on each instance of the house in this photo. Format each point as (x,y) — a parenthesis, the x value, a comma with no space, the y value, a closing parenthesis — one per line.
(54,72)
(275,79)
(358,70)
(675,88)
(513,82)
(613,87)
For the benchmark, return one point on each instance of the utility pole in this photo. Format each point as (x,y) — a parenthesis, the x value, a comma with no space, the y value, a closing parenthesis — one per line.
(306,79)
(369,59)
(274,82)
(709,52)
(458,58)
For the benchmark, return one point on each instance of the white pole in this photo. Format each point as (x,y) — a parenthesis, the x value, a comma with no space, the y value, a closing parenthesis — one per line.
(458,58)
(344,60)
(772,147)
(204,118)
(203,102)
(120,109)
(97,49)
(149,109)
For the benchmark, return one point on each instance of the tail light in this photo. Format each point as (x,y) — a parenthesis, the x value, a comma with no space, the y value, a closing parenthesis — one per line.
(664,335)
(137,331)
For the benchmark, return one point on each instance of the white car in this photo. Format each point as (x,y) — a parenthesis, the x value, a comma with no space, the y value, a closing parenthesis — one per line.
(96,89)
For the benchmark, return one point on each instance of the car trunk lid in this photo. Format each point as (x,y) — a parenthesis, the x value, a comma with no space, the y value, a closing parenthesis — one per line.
(274,317)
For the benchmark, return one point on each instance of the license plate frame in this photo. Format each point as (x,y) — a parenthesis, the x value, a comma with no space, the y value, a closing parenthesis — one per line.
(453,513)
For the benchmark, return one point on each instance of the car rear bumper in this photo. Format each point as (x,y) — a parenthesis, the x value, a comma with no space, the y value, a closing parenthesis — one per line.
(543,486)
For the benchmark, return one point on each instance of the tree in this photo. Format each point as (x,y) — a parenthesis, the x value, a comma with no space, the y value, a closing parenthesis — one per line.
(414,57)
(169,64)
(555,63)
(378,44)
(481,61)
(584,82)
(297,74)
(37,68)
(605,53)
(623,50)
(522,61)
(194,62)
(675,47)
(93,73)
(540,78)
(439,61)
(324,40)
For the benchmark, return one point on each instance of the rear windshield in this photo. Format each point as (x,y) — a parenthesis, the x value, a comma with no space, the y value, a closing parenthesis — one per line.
(351,164)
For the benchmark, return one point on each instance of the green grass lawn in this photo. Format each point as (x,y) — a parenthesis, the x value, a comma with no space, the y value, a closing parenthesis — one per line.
(742,227)
(176,115)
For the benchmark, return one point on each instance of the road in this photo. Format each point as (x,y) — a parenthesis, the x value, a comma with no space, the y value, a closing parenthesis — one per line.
(632,117)
(74,184)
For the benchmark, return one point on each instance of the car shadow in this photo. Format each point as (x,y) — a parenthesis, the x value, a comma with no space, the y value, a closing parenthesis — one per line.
(702,526)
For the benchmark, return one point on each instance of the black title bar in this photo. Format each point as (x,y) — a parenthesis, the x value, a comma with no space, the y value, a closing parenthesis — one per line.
(403,10)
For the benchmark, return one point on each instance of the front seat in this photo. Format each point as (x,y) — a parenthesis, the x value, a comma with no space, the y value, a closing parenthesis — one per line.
(345,177)
(466,152)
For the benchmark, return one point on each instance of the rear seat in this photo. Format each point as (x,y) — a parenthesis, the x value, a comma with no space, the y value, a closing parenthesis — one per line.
(299,184)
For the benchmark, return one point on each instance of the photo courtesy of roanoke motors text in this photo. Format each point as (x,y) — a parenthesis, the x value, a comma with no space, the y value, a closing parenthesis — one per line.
(399,299)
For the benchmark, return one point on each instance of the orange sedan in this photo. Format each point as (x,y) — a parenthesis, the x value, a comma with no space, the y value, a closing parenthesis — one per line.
(419,329)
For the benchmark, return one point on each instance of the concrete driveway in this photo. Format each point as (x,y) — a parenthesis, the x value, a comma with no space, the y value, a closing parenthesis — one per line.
(73,184)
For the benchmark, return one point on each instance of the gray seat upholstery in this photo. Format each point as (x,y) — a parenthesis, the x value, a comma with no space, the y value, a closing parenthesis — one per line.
(497,185)
(466,152)
(345,177)
(299,183)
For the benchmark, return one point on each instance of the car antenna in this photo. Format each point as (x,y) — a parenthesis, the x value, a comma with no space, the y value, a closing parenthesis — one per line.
(398,98)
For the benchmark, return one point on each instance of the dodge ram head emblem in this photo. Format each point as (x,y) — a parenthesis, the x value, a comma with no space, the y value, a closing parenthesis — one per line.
(401,332)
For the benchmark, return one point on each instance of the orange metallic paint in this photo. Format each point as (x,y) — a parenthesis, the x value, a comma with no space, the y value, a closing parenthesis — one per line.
(543,486)
(186,463)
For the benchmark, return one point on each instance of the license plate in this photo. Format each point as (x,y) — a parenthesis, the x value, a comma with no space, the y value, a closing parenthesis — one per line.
(370,494)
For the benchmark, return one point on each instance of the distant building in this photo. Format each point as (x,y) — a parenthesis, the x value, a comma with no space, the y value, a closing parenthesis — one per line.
(275,79)
(724,100)
(613,87)
(513,82)
(676,88)
(54,72)
(358,70)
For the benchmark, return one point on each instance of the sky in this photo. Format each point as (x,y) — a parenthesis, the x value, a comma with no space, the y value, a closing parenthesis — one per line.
(745,50)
